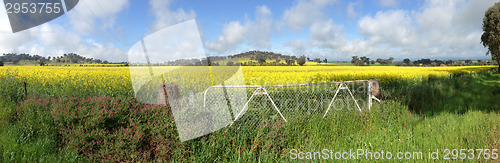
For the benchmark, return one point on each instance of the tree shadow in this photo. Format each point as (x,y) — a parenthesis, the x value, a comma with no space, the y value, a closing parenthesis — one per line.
(479,92)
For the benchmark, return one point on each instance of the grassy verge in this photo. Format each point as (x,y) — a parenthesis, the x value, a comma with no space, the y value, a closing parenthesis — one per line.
(442,113)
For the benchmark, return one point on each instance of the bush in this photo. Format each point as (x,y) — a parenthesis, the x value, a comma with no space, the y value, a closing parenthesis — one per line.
(301,61)
(101,128)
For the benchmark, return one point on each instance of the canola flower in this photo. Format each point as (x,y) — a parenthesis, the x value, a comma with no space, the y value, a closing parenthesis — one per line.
(116,81)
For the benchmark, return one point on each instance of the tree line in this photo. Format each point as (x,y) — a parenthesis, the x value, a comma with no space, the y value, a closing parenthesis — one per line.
(70,58)
(362,61)
(249,58)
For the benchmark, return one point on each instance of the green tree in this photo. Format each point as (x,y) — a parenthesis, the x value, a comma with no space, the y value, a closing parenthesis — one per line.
(389,61)
(491,32)
(365,60)
(381,61)
(407,61)
(301,61)
(317,60)
(354,59)
(1,63)
(16,61)
(261,58)
(42,62)
(359,63)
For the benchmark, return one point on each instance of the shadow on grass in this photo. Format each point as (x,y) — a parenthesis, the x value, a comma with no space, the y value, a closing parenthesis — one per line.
(480,92)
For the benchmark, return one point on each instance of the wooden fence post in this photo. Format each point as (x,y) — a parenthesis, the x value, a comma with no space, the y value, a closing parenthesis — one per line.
(25,91)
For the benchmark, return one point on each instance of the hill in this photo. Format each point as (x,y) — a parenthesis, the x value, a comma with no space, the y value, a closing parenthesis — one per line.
(71,59)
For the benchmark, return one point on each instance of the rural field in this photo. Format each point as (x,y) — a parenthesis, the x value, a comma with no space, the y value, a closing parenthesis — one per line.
(74,114)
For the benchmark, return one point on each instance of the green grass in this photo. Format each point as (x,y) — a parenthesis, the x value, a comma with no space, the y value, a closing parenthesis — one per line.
(442,113)
(390,126)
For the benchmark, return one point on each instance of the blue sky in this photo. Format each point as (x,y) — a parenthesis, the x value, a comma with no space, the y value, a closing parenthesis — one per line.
(332,29)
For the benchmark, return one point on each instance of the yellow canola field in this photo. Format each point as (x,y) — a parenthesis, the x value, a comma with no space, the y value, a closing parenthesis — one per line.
(109,79)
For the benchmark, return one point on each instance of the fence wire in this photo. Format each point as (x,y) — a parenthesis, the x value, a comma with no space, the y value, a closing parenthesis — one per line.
(275,102)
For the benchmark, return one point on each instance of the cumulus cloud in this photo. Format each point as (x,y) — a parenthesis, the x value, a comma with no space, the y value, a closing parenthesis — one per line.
(351,12)
(257,32)
(165,16)
(305,12)
(387,3)
(326,34)
(233,33)
(51,39)
(89,14)
(438,29)
(297,46)
(393,27)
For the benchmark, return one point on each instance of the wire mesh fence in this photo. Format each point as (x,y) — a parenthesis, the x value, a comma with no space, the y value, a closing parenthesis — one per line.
(283,102)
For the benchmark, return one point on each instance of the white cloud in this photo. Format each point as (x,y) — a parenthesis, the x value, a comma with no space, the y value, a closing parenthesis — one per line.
(439,29)
(257,32)
(51,39)
(89,14)
(305,12)
(351,12)
(387,3)
(392,27)
(326,34)
(165,16)
(298,47)
(233,33)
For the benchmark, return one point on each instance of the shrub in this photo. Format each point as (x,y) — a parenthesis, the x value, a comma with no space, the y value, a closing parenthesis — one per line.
(103,128)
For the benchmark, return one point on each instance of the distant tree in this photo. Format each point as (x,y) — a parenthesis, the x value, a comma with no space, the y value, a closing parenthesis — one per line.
(15,61)
(325,60)
(425,61)
(41,62)
(434,64)
(359,63)
(400,64)
(458,63)
(230,63)
(354,59)
(301,61)
(389,61)
(317,60)
(261,58)
(407,61)
(289,61)
(365,60)
(308,59)
(468,61)
(381,61)
(1,63)
(449,62)
(491,32)
(372,62)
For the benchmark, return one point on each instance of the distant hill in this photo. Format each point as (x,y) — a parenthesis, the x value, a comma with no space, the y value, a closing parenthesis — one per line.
(249,58)
(24,59)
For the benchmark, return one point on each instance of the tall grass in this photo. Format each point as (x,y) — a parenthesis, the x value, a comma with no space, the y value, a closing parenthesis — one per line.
(441,113)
